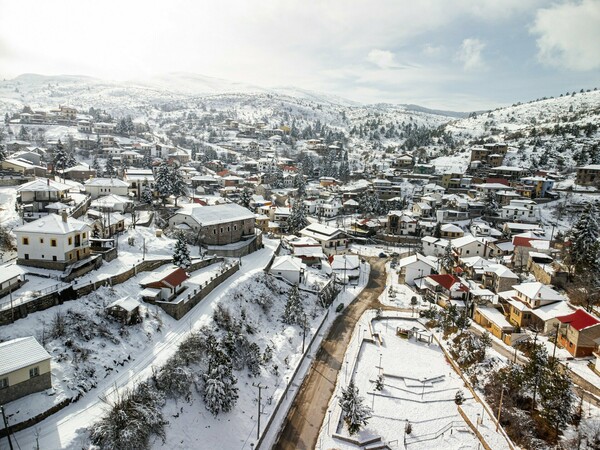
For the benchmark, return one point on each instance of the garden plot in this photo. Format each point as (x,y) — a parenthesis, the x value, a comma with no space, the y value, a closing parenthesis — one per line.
(419,388)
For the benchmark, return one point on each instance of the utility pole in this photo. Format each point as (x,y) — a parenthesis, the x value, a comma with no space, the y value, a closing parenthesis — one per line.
(499,409)
(260,388)
(303,332)
(6,427)
(557,325)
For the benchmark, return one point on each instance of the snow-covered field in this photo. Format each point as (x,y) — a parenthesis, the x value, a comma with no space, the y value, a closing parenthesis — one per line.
(419,387)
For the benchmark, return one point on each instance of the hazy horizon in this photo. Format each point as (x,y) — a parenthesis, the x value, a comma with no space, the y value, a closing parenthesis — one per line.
(460,56)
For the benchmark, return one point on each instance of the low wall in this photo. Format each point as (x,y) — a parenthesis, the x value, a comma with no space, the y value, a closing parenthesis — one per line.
(179,309)
(94,263)
(39,304)
(251,246)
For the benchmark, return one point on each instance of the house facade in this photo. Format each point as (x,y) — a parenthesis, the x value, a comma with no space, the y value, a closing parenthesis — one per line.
(25,369)
(215,225)
(53,242)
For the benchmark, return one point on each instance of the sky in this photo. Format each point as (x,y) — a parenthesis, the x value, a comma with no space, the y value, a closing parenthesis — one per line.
(460,55)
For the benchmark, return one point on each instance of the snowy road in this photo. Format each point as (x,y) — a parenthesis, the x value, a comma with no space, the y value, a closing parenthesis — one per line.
(66,428)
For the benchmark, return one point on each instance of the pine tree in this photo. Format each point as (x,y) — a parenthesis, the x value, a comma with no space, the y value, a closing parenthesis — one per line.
(178,185)
(448,258)
(219,391)
(109,168)
(300,184)
(181,255)
(297,220)
(147,161)
(97,167)
(379,384)
(245,197)
(294,310)
(556,397)
(146,195)
(437,231)
(356,414)
(583,239)
(279,182)
(163,182)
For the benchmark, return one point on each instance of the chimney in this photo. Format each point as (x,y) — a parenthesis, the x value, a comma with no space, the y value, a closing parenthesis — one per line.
(64,216)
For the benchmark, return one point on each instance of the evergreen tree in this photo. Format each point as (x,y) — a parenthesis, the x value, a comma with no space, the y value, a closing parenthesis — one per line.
(556,397)
(294,310)
(297,220)
(109,168)
(300,184)
(583,239)
(163,182)
(448,258)
(379,384)
(178,185)
(437,231)
(181,255)
(219,391)
(97,167)
(279,181)
(356,414)
(146,195)
(147,161)
(245,197)
(344,172)
(23,134)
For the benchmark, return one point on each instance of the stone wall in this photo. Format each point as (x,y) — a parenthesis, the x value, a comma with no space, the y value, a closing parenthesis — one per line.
(35,384)
(179,309)
(252,244)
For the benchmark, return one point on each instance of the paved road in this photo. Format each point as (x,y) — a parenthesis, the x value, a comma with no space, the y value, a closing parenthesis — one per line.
(302,425)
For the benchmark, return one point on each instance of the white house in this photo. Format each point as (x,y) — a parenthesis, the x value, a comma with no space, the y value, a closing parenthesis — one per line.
(24,369)
(290,268)
(99,187)
(522,210)
(346,267)
(331,239)
(53,242)
(416,266)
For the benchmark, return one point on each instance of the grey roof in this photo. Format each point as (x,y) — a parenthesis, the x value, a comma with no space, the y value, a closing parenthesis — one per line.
(19,353)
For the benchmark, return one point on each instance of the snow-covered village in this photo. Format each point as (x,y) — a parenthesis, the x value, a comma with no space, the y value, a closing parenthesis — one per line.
(188,262)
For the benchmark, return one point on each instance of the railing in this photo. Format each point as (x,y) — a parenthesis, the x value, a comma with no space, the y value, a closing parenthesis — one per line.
(410,439)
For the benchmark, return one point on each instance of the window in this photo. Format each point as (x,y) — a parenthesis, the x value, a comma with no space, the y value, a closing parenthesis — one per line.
(84,235)
(54,258)
(52,242)
(34,372)
(25,241)
(3,383)
(26,255)
(41,240)
(70,240)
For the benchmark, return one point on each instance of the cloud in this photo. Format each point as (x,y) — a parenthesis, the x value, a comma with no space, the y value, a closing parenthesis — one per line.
(432,51)
(470,54)
(382,58)
(569,35)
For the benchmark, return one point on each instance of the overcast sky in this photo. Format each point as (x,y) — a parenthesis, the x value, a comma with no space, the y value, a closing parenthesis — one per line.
(453,54)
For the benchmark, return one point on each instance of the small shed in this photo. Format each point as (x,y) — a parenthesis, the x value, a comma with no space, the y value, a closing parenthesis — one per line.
(126,310)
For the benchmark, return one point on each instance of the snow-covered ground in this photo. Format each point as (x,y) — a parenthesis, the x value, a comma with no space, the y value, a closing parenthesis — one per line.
(421,392)
(399,294)
(66,429)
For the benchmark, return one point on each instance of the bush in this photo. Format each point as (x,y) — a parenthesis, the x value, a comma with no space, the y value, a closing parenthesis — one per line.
(131,420)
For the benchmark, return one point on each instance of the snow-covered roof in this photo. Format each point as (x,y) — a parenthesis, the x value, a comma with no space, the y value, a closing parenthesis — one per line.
(495,316)
(9,272)
(501,271)
(535,290)
(127,303)
(43,184)
(53,224)
(287,262)
(19,353)
(416,258)
(110,200)
(451,228)
(213,215)
(319,231)
(106,182)
(553,310)
(347,262)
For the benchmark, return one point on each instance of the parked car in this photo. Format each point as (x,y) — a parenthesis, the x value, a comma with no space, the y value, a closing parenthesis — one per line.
(339,307)
(382,255)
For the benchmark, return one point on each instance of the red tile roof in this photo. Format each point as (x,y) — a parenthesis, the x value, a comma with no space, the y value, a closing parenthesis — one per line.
(520,241)
(579,320)
(448,281)
(176,277)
